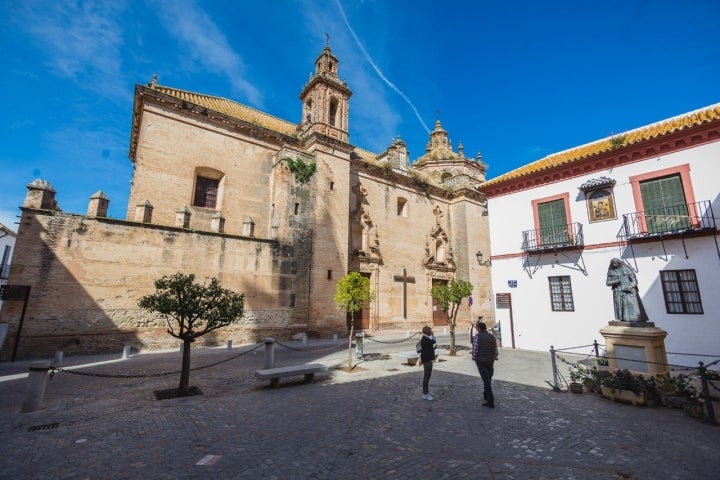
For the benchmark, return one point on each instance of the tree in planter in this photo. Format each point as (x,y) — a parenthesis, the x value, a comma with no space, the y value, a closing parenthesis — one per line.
(450,296)
(191,310)
(352,293)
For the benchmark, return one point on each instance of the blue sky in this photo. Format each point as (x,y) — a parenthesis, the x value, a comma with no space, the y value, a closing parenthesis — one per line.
(515,80)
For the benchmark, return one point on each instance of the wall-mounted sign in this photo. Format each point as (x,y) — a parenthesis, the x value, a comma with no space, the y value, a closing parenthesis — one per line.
(512,283)
(502,300)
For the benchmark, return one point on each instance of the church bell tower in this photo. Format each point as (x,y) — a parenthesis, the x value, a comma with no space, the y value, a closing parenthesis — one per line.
(325,101)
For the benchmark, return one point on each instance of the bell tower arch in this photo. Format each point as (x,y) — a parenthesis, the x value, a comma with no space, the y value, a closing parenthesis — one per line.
(325,101)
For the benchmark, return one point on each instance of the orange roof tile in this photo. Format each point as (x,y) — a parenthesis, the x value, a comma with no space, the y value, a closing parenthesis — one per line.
(664,127)
(231,108)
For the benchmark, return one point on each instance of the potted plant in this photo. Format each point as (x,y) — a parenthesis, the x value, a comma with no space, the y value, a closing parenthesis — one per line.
(578,374)
(625,386)
(596,378)
(674,389)
(602,362)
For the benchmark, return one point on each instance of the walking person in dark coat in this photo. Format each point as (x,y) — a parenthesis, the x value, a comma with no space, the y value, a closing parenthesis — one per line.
(484,353)
(427,357)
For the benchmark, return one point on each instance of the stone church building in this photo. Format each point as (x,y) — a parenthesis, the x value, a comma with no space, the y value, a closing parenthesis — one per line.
(276,210)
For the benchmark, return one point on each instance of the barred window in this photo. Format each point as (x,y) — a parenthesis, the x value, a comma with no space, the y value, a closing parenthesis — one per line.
(206,192)
(561,298)
(681,291)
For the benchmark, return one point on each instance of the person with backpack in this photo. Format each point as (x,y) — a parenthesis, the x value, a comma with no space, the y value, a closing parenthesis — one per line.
(484,353)
(427,356)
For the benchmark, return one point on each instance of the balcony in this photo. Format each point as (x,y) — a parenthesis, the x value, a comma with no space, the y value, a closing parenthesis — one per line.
(671,221)
(568,236)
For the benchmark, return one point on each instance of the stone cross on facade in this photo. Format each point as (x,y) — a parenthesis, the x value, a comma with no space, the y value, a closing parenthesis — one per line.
(405,279)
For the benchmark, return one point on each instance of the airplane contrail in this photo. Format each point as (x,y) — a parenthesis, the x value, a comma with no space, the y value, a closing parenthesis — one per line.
(377,69)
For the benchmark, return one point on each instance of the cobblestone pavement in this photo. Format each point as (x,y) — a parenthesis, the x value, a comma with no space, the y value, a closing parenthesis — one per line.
(371,423)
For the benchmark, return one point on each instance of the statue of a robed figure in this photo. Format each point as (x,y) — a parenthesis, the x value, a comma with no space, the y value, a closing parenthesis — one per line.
(632,342)
(628,307)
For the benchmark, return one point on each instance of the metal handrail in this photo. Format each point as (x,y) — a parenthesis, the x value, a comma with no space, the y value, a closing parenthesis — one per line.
(671,220)
(558,236)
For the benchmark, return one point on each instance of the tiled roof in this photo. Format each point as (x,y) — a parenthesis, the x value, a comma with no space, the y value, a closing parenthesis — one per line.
(230,108)
(7,230)
(655,130)
(366,155)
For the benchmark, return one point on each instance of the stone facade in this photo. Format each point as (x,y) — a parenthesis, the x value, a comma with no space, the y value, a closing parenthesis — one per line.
(215,193)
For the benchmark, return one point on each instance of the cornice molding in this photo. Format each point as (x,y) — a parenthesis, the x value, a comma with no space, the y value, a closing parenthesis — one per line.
(670,143)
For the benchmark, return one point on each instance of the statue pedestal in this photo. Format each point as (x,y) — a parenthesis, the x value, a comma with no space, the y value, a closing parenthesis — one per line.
(630,346)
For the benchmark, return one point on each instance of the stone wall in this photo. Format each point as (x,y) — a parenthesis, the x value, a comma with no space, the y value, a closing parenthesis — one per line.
(87,274)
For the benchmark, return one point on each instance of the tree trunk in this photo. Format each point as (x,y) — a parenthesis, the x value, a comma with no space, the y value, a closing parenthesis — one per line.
(184,388)
(453,319)
(352,326)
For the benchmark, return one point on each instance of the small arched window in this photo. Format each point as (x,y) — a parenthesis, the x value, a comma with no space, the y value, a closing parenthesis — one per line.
(333,111)
(402,207)
(308,111)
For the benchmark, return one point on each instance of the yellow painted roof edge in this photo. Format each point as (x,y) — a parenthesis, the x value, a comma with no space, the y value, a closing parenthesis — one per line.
(658,129)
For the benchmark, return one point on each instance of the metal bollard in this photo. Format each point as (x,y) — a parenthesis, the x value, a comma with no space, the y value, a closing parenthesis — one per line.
(35,390)
(304,339)
(334,337)
(359,338)
(229,344)
(709,414)
(126,351)
(556,387)
(58,358)
(269,353)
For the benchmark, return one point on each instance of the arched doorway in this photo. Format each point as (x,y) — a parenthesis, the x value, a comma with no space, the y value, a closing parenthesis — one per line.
(440,318)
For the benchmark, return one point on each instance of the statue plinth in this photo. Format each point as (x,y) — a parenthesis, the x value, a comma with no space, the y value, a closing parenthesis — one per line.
(635,346)
(618,323)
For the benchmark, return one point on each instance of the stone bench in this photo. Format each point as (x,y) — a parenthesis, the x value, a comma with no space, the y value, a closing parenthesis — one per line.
(275,374)
(414,357)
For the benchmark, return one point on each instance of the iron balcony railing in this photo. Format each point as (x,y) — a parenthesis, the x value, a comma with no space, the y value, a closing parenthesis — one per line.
(549,238)
(674,220)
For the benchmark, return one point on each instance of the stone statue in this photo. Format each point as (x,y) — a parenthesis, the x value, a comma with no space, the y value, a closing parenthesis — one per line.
(621,278)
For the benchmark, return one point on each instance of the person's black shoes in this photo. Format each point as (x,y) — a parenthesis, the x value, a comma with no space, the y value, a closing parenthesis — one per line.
(488,404)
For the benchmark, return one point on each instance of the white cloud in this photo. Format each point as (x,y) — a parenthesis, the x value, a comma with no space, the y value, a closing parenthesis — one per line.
(205,44)
(82,41)
(375,118)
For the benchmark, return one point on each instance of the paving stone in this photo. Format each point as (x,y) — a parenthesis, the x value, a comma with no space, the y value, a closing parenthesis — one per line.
(369,424)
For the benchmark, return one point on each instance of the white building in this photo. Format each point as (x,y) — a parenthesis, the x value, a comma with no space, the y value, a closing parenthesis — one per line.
(650,197)
(7,245)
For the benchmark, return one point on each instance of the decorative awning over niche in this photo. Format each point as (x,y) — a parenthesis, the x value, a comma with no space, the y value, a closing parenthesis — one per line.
(600,182)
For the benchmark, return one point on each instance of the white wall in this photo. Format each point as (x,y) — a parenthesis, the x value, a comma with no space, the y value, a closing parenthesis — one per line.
(7,238)
(537,327)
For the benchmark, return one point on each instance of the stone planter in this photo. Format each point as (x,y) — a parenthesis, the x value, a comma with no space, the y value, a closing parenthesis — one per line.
(576,387)
(624,396)
(671,401)
(693,408)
